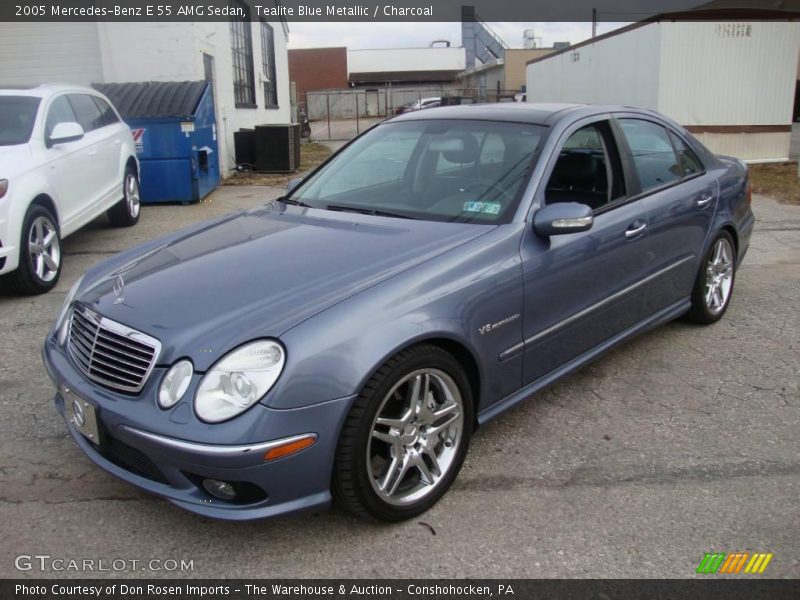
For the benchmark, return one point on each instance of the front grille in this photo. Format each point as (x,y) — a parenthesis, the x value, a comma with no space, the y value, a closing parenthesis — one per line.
(113,355)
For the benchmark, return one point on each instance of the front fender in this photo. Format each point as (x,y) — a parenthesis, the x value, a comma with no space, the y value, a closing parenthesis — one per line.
(450,298)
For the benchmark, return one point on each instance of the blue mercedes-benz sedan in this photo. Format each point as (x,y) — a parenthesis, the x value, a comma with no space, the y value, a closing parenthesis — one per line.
(346,340)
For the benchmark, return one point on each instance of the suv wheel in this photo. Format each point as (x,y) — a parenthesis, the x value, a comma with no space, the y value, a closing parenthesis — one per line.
(40,253)
(126,212)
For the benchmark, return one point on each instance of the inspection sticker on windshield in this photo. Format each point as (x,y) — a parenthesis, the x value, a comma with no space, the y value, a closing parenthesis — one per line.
(487,208)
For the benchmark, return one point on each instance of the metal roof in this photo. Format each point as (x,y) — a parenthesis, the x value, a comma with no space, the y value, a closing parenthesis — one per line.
(154,98)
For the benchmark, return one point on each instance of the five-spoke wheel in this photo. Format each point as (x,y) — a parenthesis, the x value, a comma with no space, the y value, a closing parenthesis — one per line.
(40,252)
(126,212)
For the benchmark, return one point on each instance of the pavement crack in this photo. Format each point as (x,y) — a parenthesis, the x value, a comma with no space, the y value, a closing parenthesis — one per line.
(591,476)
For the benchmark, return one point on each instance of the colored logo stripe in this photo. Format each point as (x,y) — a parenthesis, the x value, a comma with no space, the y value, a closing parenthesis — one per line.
(758,563)
(711,562)
(720,562)
(734,562)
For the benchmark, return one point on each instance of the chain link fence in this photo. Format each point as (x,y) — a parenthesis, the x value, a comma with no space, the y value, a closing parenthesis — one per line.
(344,114)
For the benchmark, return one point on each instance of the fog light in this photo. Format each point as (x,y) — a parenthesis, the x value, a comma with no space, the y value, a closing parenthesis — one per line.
(219,489)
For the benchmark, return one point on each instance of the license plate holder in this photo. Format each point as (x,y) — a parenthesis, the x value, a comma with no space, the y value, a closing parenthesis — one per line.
(82,415)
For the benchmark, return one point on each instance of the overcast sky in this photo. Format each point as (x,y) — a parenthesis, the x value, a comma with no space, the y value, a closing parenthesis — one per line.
(420,34)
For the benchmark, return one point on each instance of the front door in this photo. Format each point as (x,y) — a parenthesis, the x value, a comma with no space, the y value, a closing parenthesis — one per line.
(584,288)
(67,164)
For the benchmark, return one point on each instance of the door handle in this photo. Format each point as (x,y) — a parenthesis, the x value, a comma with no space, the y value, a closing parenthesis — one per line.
(92,152)
(704,199)
(635,230)
(117,142)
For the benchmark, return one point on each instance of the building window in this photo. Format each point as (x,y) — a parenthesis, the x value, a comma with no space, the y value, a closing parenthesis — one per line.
(244,88)
(268,61)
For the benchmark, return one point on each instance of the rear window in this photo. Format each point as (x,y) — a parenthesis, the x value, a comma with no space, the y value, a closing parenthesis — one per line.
(17,116)
(653,154)
(107,114)
(86,110)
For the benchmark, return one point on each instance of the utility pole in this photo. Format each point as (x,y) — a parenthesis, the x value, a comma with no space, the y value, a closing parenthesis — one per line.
(594,22)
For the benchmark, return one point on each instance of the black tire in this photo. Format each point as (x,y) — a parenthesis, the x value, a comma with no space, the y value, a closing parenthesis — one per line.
(352,488)
(125,213)
(25,279)
(701,312)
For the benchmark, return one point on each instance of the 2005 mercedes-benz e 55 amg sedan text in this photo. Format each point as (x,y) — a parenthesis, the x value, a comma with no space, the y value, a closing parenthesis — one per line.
(345,340)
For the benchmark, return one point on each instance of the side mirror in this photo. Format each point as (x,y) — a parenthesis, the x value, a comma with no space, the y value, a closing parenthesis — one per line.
(293,183)
(562,217)
(65,132)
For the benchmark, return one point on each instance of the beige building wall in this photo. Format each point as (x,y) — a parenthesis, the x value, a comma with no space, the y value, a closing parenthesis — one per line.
(515,65)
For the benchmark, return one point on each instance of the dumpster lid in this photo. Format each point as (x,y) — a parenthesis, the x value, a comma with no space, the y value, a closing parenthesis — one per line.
(154,98)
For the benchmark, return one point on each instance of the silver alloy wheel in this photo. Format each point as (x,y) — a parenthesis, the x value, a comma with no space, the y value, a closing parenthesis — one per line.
(415,436)
(44,249)
(132,195)
(719,276)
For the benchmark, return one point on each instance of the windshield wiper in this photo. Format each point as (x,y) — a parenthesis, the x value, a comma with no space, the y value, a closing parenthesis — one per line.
(367,211)
(293,202)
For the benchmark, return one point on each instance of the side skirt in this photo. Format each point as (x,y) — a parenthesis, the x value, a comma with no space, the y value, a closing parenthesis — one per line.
(663,316)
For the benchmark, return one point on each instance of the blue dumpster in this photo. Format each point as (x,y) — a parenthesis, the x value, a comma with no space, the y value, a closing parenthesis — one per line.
(175,131)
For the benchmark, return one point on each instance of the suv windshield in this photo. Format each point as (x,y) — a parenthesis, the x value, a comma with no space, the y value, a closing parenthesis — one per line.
(439,170)
(17,115)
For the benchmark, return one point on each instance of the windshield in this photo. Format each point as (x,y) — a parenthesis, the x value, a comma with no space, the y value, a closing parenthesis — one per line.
(440,170)
(17,115)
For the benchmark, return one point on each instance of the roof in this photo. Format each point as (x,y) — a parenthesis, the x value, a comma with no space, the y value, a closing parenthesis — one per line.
(713,11)
(518,112)
(154,98)
(41,90)
(403,76)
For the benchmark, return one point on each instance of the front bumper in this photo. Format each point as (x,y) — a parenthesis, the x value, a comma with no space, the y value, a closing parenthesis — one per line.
(169,453)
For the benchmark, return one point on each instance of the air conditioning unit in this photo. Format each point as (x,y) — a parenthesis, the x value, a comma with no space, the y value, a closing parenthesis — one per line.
(277,148)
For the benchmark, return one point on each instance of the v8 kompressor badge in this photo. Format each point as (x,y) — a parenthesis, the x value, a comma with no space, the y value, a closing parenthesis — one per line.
(489,327)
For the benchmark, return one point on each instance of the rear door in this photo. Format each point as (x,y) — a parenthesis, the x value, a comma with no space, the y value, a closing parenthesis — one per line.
(680,197)
(583,288)
(113,133)
(96,179)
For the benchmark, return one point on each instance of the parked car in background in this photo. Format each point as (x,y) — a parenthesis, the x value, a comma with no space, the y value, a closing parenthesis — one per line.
(347,339)
(65,158)
(420,104)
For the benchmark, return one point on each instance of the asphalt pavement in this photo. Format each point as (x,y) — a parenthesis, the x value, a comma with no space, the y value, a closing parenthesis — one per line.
(682,441)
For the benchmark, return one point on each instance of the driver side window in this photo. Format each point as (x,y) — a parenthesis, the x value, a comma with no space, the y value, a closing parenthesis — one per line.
(588,169)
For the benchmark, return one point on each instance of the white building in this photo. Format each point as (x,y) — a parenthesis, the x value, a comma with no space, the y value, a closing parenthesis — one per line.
(246,61)
(398,65)
(732,83)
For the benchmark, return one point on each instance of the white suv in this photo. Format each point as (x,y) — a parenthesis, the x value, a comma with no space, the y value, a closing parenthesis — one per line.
(65,158)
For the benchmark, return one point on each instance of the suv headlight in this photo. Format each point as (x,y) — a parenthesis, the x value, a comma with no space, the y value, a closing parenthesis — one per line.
(239,380)
(62,322)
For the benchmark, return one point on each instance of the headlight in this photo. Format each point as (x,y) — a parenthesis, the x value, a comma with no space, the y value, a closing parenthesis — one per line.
(239,380)
(62,322)
(175,384)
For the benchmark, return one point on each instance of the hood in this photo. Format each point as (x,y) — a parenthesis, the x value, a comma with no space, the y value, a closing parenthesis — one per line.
(14,160)
(259,273)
